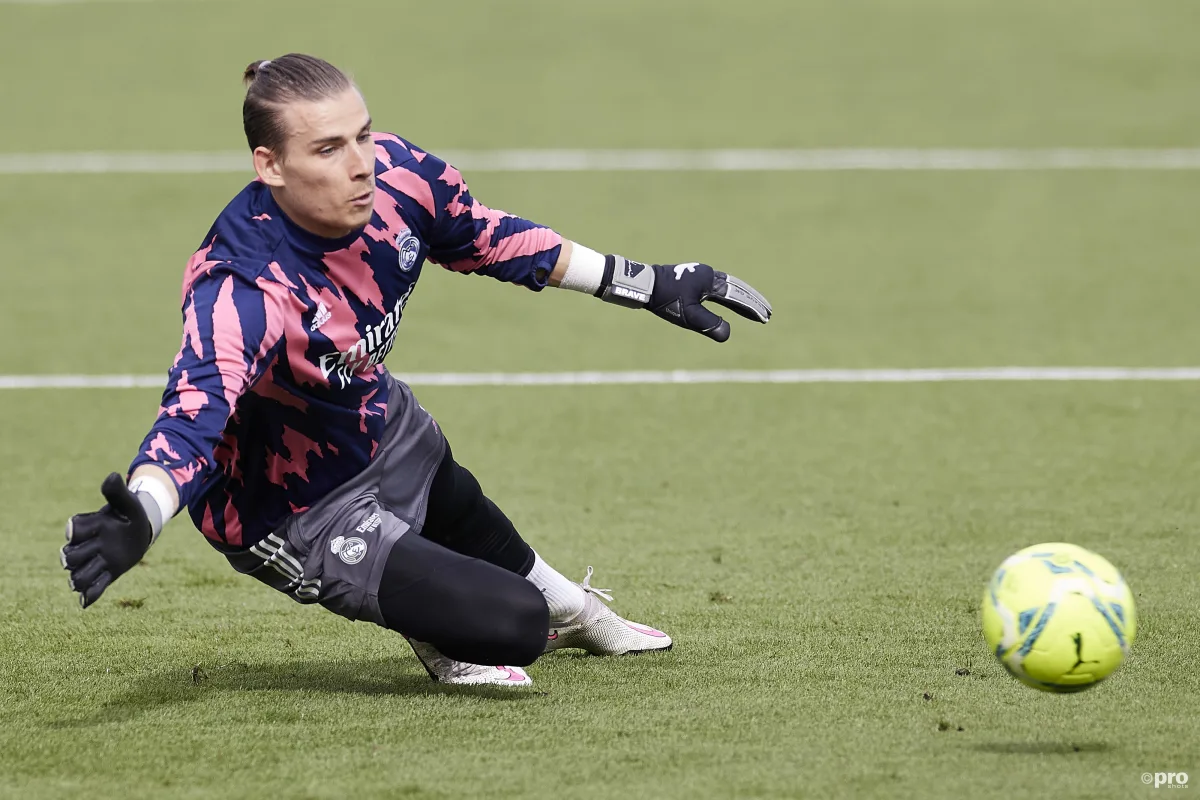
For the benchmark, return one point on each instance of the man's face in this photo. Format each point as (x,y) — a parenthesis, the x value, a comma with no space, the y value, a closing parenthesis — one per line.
(325,177)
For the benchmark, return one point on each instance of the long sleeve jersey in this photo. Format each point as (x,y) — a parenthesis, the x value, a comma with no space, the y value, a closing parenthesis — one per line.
(276,396)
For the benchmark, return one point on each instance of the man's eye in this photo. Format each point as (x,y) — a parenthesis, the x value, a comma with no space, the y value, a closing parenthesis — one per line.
(363,138)
(325,151)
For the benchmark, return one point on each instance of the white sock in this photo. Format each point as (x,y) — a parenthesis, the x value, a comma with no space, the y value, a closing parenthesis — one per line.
(564,597)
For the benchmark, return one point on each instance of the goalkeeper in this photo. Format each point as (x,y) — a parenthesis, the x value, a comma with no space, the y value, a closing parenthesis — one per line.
(299,457)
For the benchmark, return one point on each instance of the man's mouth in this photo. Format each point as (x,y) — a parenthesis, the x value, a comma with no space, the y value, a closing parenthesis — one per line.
(364,199)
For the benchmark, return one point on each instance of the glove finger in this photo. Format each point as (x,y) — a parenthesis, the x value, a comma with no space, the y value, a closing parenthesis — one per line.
(74,555)
(82,527)
(93,592)
(740,297)
(719,333)
(120,498)
(83,576)
(701,320)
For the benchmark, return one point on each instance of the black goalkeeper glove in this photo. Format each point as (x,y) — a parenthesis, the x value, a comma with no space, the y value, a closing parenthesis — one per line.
(675,292)
(103,545)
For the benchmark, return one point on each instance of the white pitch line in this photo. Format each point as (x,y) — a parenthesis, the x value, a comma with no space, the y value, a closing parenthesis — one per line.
(645,378)
(726,160)
(69,2)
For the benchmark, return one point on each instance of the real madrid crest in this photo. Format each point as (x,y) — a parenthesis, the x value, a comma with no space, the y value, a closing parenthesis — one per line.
(409,248)
(350,550)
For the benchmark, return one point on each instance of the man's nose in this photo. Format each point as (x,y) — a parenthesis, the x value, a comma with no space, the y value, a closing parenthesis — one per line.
(361,165)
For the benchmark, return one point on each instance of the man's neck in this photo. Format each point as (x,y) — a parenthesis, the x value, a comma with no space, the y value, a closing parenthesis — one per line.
(304,223)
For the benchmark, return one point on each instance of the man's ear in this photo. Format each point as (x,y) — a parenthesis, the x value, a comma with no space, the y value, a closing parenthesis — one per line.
(266,164)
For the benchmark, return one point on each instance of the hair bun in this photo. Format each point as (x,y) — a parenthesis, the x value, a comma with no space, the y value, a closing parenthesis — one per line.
(253,70)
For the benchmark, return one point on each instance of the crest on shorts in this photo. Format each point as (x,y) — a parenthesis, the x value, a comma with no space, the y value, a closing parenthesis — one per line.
(409,247)
(351,551)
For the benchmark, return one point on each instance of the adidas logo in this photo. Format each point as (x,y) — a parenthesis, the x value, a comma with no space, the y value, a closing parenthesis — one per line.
(321,317)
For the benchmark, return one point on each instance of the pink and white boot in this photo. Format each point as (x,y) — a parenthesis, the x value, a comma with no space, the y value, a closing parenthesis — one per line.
(598,630)
(459,673)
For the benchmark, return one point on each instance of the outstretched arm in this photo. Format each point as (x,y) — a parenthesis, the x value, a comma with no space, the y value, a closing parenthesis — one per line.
(466,236)
(231,330)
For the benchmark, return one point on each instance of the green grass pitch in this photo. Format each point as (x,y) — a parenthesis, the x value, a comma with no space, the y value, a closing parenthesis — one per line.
(818,552)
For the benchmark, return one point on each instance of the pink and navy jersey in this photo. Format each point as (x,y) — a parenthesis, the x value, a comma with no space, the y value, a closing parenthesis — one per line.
(276,395)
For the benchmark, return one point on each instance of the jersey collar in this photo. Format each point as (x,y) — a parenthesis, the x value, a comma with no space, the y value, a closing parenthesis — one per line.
(307,240)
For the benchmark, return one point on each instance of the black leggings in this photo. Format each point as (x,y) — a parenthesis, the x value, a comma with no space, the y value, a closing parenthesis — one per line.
(460,585)
(462,518)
